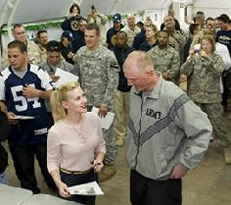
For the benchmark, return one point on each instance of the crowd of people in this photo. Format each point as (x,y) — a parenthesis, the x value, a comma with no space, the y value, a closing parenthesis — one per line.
(134,70)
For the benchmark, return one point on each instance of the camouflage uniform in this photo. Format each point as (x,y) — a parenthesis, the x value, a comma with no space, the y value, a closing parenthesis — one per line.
(33,53)
(197,39)
(98,72)
(177,41)
(204,89)
(42,52)
(166,60)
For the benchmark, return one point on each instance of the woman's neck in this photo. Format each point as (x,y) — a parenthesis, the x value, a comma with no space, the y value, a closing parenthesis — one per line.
(75,118)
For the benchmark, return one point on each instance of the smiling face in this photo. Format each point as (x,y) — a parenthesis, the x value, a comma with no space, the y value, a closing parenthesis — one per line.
(91,38)
(76,102)
(149,33)
(43,38)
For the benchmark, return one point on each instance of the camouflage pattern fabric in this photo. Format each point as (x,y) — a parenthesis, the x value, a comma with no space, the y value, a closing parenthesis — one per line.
(204,89)
(166,60)
(204,78)
(98,72)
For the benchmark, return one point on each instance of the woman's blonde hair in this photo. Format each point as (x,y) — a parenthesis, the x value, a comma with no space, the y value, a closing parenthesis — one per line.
(154,29)
(211,40)
(57,97)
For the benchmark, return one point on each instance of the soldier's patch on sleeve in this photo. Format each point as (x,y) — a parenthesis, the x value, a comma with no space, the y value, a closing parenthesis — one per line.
(114,65)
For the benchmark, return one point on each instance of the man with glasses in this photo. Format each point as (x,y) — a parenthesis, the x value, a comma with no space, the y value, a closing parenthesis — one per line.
(19,34)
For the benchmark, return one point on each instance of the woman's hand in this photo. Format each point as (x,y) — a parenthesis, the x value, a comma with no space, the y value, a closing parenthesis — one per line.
(203,54)
(191,54)
(97,165)
(63,190)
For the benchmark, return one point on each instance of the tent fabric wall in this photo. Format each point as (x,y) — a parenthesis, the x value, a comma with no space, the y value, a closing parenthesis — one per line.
(211,8)
(34,11)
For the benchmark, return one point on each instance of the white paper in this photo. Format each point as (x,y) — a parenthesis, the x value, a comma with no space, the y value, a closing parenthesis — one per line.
(64,77)
(23,117)
(105,121)
(89,189)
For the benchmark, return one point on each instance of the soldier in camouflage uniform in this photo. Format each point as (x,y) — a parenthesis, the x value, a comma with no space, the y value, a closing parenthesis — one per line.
(98,72)
(176,39)
(19,34)
(204,72)
(165,58)
(42,36)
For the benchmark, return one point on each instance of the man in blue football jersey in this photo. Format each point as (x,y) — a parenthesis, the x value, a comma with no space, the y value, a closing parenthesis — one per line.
(23,90)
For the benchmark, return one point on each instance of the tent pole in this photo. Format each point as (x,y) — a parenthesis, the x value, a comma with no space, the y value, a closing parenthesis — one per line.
(11,18)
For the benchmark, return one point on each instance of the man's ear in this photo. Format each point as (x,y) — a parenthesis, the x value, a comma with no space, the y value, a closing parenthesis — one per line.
(149,71)
(25,54)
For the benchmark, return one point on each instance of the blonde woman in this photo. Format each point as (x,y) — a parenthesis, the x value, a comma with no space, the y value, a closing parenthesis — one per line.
(151,35)
(203,72)
(75,147)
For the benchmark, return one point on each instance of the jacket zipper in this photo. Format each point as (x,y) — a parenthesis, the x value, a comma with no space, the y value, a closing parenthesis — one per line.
(138,146)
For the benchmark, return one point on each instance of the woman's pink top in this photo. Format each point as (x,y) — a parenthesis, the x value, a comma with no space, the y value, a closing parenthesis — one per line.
(74,147)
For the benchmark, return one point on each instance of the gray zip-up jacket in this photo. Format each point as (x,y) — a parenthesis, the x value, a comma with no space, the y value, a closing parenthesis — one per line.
(165,128)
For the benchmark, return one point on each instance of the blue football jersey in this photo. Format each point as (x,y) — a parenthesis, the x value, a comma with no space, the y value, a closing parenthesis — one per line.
(26,131)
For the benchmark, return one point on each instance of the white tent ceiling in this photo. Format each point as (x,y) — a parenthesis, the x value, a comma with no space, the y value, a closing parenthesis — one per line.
(41,10)
(33,10)
(27,11)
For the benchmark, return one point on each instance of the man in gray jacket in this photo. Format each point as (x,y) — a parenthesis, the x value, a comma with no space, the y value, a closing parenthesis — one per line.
(168,134)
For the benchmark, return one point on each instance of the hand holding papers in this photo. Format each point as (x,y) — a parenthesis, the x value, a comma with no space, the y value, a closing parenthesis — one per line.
(64,77)
(22,117)
(89,189)
(105,121)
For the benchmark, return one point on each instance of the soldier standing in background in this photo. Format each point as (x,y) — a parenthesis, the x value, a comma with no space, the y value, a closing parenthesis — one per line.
(176,39)
(165,58)
(98,72)
(19,34)
(42,36)
(204,71)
